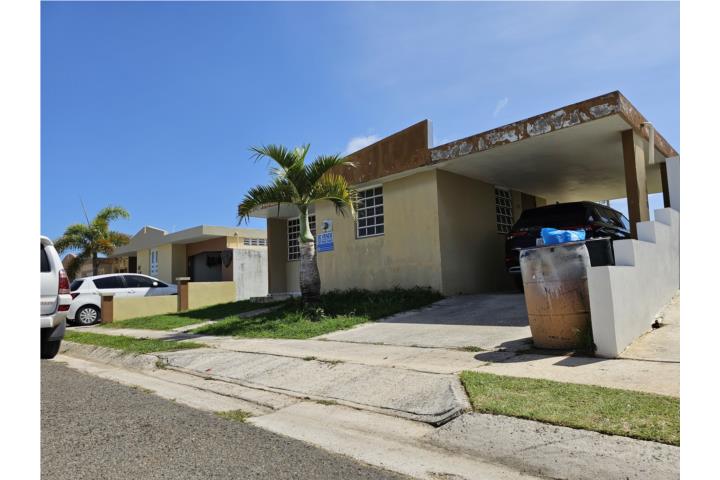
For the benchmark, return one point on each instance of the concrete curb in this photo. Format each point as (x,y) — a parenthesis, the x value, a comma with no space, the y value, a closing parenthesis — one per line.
(110,356)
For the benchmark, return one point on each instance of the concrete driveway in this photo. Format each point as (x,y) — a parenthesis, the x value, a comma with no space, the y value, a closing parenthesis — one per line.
(487,321)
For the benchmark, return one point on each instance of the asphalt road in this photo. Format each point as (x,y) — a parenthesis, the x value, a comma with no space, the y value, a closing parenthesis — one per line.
(94,428)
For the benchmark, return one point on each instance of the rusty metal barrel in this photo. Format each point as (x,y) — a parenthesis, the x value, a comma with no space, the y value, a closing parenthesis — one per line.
(556,295)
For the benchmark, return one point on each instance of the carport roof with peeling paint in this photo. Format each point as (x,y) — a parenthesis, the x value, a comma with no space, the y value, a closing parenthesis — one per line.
(570,153)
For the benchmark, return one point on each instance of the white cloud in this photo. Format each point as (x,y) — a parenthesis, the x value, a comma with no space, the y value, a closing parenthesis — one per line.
(357,143)
(501,104)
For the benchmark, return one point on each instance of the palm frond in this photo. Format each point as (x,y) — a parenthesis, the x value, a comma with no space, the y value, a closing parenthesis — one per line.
(76,236)
(324,164)
(278,192)
(108,214)
(291,162)
(335,189)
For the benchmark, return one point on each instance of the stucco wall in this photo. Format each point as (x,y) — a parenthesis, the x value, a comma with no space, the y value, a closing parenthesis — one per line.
(165,263)
(202,294)
(143,262)
(472,251)
(625,298)
(133,307)
(673,173)
(250,269)
(179,262)
(407,255)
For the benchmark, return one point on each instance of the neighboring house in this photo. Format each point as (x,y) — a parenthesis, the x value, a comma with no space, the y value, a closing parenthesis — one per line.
(105,265)
(204,253)
(438,216)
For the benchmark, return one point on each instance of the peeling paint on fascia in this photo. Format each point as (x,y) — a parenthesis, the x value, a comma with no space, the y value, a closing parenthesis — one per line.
(464,148)
(538,127)
(506,136)
(603,110)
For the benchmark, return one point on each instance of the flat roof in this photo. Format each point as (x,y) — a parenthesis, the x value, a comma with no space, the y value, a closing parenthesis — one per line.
(569,153)
(151,237)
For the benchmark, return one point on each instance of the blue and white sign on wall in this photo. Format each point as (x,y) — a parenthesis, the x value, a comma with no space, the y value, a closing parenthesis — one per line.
(325,238)
(325,242)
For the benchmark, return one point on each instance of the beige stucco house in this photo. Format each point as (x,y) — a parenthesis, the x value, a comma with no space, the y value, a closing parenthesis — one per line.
(105,265)
(204,253)
(437,216)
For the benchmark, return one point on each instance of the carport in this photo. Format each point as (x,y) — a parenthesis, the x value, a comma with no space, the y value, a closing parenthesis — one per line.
(598,149)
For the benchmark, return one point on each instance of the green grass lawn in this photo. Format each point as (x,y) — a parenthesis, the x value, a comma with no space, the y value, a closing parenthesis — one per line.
(174,320)
(128,344)
(339,310)
(618,412)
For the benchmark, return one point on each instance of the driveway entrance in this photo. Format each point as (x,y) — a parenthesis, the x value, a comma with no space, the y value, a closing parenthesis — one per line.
(485,321)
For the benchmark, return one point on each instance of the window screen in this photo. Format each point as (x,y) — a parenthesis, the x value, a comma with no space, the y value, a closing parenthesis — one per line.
(371,213)
(293,228)
(503,210)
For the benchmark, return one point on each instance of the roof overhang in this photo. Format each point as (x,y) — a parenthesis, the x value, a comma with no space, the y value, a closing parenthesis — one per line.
(283,210)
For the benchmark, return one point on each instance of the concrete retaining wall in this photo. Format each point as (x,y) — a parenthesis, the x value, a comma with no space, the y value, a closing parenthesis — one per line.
(203,294)
(133,307)
(625,298)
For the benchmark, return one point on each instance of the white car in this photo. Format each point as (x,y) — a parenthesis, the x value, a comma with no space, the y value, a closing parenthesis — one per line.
(54,299)
(86,293)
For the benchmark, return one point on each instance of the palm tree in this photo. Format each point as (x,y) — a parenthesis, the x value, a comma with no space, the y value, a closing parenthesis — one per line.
(302,185)
(93,238)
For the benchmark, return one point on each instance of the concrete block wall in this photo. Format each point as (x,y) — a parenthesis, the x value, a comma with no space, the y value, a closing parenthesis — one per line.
(625,298)
(250,272)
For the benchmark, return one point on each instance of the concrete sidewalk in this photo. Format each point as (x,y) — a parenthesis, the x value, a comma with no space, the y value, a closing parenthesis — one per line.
(472,446)
(424,397)
(645,376)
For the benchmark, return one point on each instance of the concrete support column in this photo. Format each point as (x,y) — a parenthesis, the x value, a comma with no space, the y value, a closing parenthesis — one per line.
(635,179)
(106,308)
(183,293)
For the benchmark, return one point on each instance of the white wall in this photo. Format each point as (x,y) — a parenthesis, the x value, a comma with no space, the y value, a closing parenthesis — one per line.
(250,272)
(625,298)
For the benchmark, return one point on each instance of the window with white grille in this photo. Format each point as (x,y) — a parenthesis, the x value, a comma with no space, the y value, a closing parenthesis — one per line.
(371,213)
(255,242)
(503,210)
(293,231)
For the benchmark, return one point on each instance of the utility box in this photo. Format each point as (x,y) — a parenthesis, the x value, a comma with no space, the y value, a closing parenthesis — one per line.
(556,295)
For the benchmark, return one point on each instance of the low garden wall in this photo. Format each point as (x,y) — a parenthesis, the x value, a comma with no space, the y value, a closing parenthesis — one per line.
(202,294)
(626,297)
(133,307)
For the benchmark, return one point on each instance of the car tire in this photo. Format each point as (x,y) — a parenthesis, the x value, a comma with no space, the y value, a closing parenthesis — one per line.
(87,315)
(49,348)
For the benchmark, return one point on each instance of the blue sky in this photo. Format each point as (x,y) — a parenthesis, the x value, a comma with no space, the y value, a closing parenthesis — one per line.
(153,106)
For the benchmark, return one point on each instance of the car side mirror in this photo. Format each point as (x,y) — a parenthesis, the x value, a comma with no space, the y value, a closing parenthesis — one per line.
(154,284)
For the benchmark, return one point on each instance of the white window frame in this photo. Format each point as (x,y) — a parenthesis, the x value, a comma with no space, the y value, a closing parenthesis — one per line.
(504,218)
(154,263)
(374,216)
(293,238)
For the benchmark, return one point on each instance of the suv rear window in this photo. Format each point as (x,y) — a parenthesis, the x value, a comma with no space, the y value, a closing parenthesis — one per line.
(44,260)
(556,216)
(109,282)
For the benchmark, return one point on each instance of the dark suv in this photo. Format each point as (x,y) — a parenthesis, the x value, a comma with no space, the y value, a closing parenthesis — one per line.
(598,221)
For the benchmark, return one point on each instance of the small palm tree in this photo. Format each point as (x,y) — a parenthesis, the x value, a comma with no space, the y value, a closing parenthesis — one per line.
(302,185)
(93,238)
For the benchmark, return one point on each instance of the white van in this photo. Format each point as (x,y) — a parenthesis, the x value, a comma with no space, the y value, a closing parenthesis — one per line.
(54,299)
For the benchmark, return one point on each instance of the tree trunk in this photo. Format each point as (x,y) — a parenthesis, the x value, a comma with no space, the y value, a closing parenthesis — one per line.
(309,273)
(95,263)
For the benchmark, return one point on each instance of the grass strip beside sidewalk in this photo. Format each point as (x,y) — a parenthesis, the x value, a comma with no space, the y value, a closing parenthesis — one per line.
(129,344)
(169,321)
(338,310)
(644,416)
